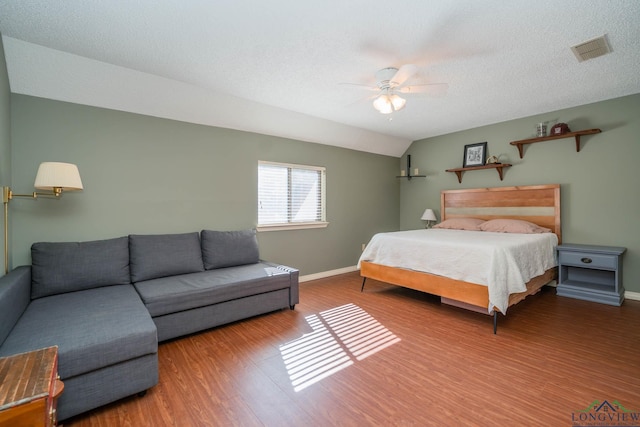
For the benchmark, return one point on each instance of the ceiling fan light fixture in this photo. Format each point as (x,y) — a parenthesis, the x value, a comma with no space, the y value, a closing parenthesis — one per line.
(383,104)
(387,104)
(397,102)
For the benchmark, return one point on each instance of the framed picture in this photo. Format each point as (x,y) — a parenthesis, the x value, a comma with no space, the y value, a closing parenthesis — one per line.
(474,154)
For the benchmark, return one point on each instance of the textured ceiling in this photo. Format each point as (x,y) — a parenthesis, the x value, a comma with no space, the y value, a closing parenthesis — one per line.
(275,67)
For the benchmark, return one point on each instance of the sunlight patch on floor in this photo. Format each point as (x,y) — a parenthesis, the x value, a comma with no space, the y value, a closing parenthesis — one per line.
(341,336)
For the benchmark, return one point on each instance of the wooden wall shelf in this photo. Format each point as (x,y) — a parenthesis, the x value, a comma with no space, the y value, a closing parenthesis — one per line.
(521,143)
(496,166)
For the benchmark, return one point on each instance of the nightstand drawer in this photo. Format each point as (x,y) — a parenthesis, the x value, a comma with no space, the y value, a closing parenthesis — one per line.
(588,260)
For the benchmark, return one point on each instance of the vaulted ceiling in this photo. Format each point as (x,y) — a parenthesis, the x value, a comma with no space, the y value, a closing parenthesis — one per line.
(277,67)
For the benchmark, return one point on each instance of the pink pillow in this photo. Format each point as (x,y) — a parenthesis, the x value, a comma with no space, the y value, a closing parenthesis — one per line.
(512,226)
(470,224)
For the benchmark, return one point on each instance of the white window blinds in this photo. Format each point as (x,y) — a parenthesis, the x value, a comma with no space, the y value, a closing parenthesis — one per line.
(290,194)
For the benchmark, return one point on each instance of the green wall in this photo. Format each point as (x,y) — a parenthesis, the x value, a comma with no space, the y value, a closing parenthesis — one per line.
(148,175)
(5,132)
(5,121)
(145,175)
(599,185)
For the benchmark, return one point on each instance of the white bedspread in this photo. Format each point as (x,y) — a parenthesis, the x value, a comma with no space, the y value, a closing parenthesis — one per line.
(504,262)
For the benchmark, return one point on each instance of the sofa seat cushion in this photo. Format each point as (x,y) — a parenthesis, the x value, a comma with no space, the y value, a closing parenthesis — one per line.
(93,329)
(178,293)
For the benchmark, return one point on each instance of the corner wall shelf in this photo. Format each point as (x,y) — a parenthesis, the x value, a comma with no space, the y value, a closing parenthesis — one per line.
(408,175)
(520,144)
(496,166)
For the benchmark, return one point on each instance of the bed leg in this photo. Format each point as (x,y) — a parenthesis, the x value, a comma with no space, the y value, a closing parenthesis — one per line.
(495,322)
(363,280)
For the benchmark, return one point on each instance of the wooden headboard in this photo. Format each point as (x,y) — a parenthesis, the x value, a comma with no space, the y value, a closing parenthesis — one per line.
(539,204)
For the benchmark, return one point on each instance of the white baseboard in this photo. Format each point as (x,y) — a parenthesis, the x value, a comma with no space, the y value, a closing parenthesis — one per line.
(635,296)
(329,273)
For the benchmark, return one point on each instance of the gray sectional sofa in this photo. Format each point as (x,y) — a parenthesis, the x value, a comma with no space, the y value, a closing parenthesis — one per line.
(106,304)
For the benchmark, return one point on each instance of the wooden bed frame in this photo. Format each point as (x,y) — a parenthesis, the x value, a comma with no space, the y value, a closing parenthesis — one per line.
(539,204)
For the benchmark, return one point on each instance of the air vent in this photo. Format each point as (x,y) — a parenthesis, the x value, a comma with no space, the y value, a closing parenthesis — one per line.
(591,48)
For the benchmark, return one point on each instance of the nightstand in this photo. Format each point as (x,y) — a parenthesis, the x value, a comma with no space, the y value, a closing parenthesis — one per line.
(590,272)
(30,388)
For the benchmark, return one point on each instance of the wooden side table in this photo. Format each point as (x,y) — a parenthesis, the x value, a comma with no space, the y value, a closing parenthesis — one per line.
(29,388)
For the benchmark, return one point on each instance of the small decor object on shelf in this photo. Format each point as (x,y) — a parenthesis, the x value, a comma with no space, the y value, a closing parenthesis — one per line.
(474,154)
(493,160)
(541,129)
(559,129)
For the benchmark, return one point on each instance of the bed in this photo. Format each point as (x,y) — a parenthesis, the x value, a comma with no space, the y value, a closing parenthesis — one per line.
(538,204)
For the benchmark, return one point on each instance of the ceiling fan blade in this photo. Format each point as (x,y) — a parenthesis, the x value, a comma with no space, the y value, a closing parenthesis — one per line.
(365,99)
(430,88)
(403,74)
(361,86)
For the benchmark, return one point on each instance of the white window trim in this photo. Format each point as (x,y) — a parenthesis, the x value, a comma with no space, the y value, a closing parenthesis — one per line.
(293,226)
(298,225)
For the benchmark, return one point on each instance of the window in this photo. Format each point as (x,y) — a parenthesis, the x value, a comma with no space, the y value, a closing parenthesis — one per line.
(290,196)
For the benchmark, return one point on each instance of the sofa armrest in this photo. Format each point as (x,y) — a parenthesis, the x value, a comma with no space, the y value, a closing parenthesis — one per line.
(294,294)
(294,274)
(15,295)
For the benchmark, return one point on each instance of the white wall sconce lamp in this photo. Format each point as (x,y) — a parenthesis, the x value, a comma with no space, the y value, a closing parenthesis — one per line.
(429,216)
(53,178)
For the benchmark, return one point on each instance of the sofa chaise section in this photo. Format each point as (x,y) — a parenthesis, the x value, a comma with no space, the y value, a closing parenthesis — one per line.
(103,332)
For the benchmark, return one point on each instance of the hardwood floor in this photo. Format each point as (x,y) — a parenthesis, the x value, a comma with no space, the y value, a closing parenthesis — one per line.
(393,357)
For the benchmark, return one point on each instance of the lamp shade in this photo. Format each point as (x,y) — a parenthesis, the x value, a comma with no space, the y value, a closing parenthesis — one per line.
(397,102)
(428,215)
(53,175)
(383,104)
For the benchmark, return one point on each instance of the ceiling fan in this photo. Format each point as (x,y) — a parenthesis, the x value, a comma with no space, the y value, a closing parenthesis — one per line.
(390,82)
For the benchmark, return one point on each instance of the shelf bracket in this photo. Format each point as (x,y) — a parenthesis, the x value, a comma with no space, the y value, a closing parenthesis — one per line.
(497,166)
(520,150)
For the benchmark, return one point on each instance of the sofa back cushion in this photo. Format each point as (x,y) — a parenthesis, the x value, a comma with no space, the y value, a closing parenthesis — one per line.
(229,248)
(162,255)
(59,267)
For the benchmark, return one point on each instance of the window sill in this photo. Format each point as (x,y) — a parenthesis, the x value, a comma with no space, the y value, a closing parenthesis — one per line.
(292,226)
